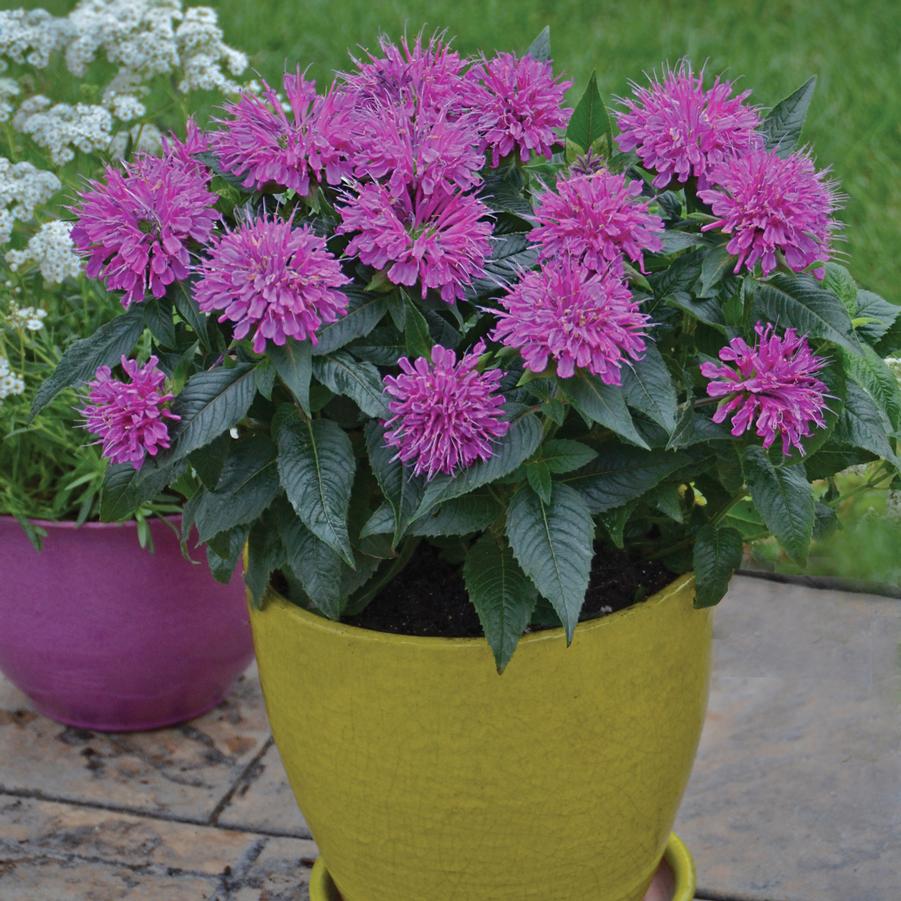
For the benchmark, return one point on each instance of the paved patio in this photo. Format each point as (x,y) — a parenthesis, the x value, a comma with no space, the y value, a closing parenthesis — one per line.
(796,795)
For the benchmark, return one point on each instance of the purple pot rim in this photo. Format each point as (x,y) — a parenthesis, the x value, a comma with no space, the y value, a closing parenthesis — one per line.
(71,525)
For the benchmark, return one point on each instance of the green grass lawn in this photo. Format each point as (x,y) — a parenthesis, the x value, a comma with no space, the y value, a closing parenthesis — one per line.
(770,45)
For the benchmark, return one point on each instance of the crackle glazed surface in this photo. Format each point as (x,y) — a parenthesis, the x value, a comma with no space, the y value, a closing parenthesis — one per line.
(424,774)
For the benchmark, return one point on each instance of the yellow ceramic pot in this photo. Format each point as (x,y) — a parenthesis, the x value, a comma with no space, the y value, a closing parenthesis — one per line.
(426,776)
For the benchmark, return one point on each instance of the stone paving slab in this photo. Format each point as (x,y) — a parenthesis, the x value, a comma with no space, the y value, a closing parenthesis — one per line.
(796,794)
(183,772)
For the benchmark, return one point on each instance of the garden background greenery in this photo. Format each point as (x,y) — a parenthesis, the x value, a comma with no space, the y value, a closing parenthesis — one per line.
(772,45)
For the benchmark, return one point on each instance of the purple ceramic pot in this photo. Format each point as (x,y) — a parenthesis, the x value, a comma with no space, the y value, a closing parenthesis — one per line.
(103,635)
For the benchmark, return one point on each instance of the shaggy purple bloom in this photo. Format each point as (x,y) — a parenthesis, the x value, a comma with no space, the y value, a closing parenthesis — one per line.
(768,204)
(440,240)
(407,73)
(772,384)
(185,151)
(518,106)
(129,417)
(445,414)
(424,151)
(579,318)
(136,227)
(594,219)
(264,144)
(678,129)
(274,280)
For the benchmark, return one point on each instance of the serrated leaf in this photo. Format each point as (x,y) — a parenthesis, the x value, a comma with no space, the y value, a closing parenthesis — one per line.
(870,372)
(693,428)
(540,48)
(841,283)
(400,487)
(539,478)
(293,361)
(784,498)
(361,382)
(158,319)
(648,387)
(316,468)
(798,301)
(717,554)
(706,310)
(460,516)
(189,311)
(82,358)
(513,449)
(783,124)
(209,405)
(717,262)
(554,545)
(502,594)
(224,556)
(417,337)
(621,474)
(264,555)
(674,241)
(364,312)
(511,255)
(603,404)
(562,455)
(861,425)
(126,488)
(590,119)
(874,315)
(247,486)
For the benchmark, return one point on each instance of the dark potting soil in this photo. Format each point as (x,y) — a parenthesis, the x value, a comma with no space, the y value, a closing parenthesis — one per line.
(429,598)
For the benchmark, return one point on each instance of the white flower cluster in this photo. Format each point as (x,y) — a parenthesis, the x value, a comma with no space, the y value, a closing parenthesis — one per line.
(9,90)
(22,188)
(10,383)
(51,250)
(204,55)
(31,36)
(29,318)
(60,127)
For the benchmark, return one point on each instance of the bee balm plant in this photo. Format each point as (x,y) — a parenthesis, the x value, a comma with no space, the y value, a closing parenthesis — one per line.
(446,356)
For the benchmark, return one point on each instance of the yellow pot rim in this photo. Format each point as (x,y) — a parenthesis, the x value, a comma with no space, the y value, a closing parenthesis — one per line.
(337,629)
(676,855)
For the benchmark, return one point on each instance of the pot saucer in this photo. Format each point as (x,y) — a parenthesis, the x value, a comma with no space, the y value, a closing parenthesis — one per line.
(673,881)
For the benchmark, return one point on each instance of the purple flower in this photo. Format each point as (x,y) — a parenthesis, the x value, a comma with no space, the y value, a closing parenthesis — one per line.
(129,417)
(277,281)
(594,219)
(264,144)
(445,414)
(768,204)
(441,240)
(185,151)
(406,73)
(579,318)
(135,229)
(517,106)
(772,383)
(423,151)
(678,129)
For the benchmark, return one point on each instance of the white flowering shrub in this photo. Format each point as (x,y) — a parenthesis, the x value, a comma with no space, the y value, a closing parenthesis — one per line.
(77,93)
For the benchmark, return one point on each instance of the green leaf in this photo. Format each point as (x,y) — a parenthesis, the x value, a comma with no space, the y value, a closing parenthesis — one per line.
(189,311)
(502,594)
(510,256)
(784,498)
(716,264)
(870,372)
(621,474)
(539,478)
(401,488)
(316,467)
(782,126)
(798,301)
(224,556)
(540,48)
(247,486)
(603,404)
(209,405)
(264,555)
(841,283)
(460,516)
(364,312)
(293,362)
(706,310)
(554,545)
(562,455)
(590,119)
(416,335)
(520,442)
(861,425)
(694,428)
(126,488)
(833,459)
(158,318)
(361,382)
(874,315)
(717,554)
(674,241)
(82,358)
(648,387)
